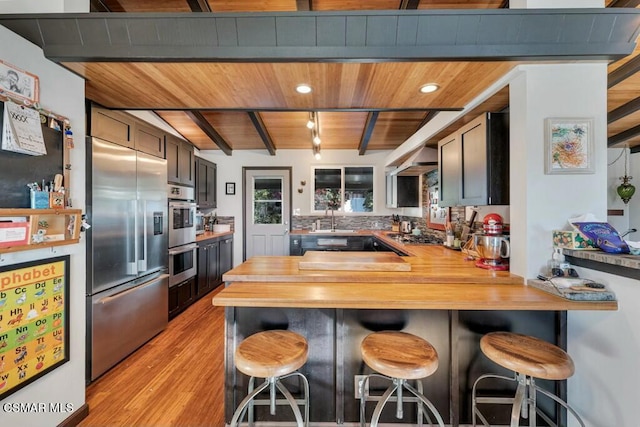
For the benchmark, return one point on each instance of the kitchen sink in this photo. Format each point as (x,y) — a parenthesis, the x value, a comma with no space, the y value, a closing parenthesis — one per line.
(322,231)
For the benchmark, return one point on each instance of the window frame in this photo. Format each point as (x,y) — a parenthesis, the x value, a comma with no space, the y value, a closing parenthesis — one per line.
(342,168)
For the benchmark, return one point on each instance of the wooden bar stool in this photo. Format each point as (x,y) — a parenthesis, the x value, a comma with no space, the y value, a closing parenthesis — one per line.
(529,358)
(272,355)
(399,357)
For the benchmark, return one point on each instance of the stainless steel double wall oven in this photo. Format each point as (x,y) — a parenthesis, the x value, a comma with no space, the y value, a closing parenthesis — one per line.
(182,234)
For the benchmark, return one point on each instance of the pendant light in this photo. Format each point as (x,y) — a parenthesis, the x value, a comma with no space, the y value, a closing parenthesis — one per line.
(626,189)
(314,126)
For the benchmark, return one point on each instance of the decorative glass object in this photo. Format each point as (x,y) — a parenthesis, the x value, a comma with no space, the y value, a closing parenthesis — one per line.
(626,189)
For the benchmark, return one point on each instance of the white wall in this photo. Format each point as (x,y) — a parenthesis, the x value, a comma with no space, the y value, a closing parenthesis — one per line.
(541,203)
(61,92)
(39,6)
(605,347)
(229,169)
(633,208)
(550,4)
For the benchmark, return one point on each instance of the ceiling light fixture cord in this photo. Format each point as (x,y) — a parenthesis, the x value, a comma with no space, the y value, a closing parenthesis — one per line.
(618,158)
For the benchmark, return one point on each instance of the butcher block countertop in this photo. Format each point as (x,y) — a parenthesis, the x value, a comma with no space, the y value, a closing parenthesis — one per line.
(439,278)
(429,296)
(429,264)
(211,235)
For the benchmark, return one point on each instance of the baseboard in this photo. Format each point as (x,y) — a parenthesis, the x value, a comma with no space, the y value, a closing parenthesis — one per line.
(74,419)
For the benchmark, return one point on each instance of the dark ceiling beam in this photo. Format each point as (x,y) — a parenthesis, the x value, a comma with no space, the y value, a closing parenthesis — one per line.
(409,4)
(206,127)
(623,136)
(98,6)
(372,117)
(427,118)
(342,110)
(623,72)
(349,36)
(625,3)
(504,4)
(199,5)
(262,131)
(303,5)
(624,110)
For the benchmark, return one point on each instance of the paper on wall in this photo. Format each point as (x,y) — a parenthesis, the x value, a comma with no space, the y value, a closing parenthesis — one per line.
(22,131)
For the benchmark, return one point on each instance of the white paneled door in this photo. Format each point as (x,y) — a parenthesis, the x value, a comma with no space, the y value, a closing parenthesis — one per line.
(267,211)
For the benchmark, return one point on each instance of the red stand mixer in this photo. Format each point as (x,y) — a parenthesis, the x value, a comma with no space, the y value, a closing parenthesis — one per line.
(492,246)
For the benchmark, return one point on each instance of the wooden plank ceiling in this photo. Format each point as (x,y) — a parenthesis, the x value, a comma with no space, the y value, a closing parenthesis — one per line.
(365,106)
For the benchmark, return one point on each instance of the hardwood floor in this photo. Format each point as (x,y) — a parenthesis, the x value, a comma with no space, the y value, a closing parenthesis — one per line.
(176,379)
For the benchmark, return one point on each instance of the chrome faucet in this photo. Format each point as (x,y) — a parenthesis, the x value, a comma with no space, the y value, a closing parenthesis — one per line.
(631,230)
(333,222)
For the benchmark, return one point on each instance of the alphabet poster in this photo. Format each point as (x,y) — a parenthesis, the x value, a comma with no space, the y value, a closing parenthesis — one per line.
(33,321)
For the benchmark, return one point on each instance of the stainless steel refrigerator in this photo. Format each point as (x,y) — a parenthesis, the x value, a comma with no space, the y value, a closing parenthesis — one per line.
(127,280)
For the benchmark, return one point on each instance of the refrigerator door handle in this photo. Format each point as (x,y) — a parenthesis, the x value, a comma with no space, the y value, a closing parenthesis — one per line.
(142,262)
(132,266)
(110,298)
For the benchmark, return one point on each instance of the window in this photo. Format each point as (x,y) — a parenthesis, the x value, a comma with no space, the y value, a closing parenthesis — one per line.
(347,189)
(267,201)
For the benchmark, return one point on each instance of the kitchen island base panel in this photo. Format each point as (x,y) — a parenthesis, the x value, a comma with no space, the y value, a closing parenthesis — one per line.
(318,328)
(334,337)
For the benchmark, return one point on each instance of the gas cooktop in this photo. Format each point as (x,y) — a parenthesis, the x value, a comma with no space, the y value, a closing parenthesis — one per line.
(413,239)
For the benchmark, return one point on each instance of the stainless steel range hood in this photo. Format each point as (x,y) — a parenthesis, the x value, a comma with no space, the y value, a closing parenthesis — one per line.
(421,162)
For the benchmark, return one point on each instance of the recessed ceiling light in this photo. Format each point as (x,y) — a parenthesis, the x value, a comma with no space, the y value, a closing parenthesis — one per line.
(303,88)
(429,87)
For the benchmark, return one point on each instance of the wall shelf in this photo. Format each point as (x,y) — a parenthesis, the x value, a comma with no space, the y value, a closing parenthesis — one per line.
(43,228)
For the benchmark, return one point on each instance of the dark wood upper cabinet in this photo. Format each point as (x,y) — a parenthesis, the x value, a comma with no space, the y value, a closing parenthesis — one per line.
(180,161)
(205,183)
(408,191)
(186,163)
(124,129)
(474,163)
(149,139)
(112,126)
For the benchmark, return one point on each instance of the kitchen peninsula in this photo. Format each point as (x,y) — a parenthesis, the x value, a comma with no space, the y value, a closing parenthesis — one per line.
(443,298)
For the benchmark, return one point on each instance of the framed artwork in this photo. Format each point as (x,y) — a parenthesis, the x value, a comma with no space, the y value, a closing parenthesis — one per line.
(18,84)
(230,188)
(437,216)
(34,321)
(568,146)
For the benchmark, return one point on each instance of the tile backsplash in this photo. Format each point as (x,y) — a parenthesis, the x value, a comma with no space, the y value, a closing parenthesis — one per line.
(353,222)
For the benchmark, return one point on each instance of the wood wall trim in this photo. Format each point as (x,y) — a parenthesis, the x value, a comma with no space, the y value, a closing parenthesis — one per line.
(76,417)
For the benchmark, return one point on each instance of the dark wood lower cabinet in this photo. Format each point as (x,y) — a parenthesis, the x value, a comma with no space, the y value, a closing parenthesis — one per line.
(208,276)
(181,296)
(215,257)
(225,259)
